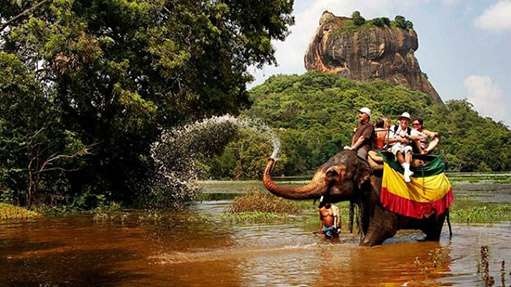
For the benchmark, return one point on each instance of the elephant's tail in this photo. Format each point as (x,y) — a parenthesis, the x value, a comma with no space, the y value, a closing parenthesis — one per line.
(449,224)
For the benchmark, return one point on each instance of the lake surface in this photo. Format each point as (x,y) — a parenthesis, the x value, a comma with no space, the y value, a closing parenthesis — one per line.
(195,247)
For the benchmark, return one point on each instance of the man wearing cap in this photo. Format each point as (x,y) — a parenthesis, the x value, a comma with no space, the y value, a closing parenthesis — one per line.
(361,140)
(399,138)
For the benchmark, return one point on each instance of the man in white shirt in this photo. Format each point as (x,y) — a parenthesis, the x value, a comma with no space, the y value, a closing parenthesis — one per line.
(399,139)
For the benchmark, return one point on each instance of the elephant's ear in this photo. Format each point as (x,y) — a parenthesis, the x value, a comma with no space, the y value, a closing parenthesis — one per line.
(363,173)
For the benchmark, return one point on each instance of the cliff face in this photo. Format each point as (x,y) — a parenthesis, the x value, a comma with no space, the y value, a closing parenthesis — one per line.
(367,52)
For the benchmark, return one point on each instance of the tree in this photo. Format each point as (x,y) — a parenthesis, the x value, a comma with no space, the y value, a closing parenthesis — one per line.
(357,18)
(409,25)
(378,22)
(400,21)
(34,147)
(120,71)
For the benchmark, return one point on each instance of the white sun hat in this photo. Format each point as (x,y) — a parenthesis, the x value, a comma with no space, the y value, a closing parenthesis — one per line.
(366,111)
(405,115)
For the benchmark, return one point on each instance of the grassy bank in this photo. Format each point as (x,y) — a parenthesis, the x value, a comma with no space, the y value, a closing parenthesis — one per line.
(8,212)
(469,211)
(257,207)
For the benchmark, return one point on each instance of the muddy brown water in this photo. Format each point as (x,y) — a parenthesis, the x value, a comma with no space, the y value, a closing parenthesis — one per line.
(196,248)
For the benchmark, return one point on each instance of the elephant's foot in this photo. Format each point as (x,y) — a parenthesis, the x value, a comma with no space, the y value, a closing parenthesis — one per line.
(374,238)
(433,230)
(432,236)
(369,242)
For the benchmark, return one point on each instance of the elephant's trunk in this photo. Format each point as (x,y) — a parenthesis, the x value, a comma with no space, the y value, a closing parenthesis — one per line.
(312,190)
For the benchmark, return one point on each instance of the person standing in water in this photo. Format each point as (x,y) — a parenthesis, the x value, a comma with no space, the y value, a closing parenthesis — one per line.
(329,218)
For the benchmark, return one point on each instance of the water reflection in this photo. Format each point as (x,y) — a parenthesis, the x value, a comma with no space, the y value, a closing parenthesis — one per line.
(195,248)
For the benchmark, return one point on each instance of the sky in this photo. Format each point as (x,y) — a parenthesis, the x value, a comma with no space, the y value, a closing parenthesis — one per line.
(464,45)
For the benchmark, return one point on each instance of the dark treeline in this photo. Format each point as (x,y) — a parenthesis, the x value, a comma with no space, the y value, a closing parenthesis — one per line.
(87,85)
(315,114)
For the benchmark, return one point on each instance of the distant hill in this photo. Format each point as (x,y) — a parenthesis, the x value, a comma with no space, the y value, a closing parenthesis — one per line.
(315,114)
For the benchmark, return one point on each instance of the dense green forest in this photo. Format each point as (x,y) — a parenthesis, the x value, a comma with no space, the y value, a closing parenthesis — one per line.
(87,86)
(314,115)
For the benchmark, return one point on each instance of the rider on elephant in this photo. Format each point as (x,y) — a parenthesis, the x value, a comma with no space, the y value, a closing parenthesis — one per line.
(399,139)
(425,140)
(362,138)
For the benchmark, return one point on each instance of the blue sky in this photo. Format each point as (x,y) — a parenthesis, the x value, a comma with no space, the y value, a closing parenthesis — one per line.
(464,45)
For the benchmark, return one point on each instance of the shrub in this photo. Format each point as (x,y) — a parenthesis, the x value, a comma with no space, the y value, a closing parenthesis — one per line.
(8,211)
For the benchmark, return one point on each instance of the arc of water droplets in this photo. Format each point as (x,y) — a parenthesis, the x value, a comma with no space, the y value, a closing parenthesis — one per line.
(177,150)
(241,122)
(257,124)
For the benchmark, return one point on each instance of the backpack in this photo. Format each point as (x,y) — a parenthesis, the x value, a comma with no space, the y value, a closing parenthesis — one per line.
(408,129)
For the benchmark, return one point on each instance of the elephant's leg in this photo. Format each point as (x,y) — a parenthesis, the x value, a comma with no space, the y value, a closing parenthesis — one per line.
(382,226)
(433,228)
(376,237)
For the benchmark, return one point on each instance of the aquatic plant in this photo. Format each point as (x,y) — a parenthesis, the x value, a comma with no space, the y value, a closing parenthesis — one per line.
(256,201)
(260,207)
(483,267)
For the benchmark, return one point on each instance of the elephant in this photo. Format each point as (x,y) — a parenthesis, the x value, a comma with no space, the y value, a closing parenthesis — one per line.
(345,176)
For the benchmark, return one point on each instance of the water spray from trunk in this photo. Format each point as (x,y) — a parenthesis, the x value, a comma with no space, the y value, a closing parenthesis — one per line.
(179,154)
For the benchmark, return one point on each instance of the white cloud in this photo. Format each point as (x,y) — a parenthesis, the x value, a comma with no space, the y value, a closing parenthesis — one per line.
(290,53)
(496,18)
(488,98)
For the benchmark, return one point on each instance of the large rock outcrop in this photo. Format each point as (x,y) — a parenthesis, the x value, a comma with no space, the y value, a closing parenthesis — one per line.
(367,52)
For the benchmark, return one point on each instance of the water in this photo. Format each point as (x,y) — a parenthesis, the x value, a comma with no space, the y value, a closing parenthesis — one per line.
(195,248)
(178,154)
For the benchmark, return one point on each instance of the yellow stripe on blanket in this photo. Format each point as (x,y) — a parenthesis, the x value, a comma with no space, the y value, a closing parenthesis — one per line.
(420,189)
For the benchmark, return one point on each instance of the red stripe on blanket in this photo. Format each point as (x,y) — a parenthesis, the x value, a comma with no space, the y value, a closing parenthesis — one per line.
(412,208)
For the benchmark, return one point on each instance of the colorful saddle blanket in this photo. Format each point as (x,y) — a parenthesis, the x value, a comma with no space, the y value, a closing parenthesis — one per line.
(428,193)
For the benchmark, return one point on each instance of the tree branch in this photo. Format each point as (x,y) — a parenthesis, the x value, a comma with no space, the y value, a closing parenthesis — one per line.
(56,168)
(4,25)
(55,157)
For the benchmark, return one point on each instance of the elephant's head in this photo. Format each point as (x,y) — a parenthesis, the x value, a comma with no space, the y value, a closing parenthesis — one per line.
(338,179)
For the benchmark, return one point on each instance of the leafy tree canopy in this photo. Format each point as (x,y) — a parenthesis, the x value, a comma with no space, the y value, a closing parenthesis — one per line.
(112,73)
